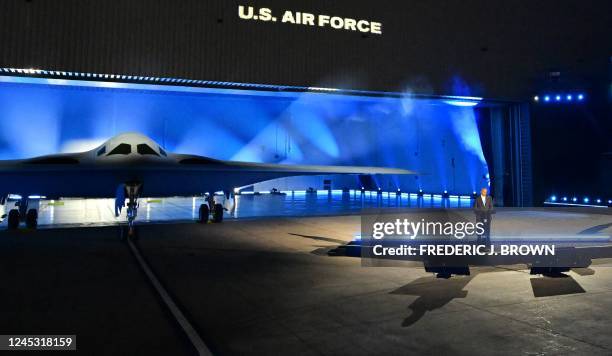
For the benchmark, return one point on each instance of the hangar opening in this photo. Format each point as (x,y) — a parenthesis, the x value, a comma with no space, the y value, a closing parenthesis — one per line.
(456,144)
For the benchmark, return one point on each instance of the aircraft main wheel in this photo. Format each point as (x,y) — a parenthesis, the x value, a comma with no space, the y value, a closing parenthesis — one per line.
(13,219)
(204,212)
(217,213)
(32,218)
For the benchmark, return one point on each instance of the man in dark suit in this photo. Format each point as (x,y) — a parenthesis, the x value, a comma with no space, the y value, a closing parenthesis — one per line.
(483,208)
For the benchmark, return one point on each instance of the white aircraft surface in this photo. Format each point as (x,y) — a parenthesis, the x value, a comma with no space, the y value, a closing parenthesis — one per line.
(130,165)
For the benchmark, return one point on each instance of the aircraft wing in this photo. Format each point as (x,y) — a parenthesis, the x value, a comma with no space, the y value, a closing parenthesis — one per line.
(227,175)
(136,158)
(312,170)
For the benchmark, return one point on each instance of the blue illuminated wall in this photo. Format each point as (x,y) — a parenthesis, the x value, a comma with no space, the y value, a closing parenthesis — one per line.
(433,137)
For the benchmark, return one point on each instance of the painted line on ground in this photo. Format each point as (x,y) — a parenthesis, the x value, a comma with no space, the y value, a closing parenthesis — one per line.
(192,334)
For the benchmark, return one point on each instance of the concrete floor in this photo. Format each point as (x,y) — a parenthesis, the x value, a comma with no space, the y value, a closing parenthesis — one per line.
(267,286)
(83,282)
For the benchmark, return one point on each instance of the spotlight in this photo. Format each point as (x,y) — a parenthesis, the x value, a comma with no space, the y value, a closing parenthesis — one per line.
(547,98)
(585,200)
(536,98)
(445,195)
(598,201)
(574,199)
(420,192)
(558,98)
(580,96)
(564,198)
(474,196)
(569,98)
(553,198)
(379,190)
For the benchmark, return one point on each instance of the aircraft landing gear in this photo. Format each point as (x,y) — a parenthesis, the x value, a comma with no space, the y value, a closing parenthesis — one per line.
(211,210)
(204,213)
(13,219)
(32,219)
(132,191)
(217,213)
(25,210)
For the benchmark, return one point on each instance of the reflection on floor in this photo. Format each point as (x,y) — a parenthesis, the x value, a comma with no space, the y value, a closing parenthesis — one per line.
(101,211)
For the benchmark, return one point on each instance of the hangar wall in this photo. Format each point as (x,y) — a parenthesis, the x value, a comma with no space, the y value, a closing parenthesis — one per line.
(433,137)
(500,48)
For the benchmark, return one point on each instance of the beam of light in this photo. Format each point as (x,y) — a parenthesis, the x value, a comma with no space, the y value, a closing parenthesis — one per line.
(461,103)
(308,124)
(252,125)
(221,143)
(465,128)
(74,146)
(30,126)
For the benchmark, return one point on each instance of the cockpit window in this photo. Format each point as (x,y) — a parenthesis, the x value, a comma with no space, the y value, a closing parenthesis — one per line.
(102,151)
(145,149)
(163,153)
(122,149)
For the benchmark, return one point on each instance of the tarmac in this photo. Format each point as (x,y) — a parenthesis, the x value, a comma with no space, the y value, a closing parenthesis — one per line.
(268,286)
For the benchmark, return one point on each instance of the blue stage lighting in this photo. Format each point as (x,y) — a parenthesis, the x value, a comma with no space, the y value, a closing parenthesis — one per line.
(598,201)
(461,103)
(536,98)
(558,98)
(564,198)
(569,98)
(580,96)
(574,199)
(547,98)
(586,199)
(553,198)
